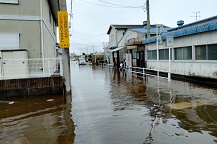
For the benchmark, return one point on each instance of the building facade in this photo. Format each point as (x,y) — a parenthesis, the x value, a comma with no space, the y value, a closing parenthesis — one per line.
(194,50)
(116,46)
(125,42)
(29,26)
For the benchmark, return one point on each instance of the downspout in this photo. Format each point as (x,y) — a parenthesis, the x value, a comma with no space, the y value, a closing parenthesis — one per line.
(42,37)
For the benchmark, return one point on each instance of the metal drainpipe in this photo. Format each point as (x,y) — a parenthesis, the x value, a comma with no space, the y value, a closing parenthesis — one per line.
(42,36)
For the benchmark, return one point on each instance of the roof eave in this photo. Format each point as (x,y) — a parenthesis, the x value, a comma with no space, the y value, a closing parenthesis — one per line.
(54,6)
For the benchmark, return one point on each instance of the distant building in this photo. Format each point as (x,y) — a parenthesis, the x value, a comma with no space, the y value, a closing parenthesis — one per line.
(116,33)
(194,51)
(127,39)
(28,31)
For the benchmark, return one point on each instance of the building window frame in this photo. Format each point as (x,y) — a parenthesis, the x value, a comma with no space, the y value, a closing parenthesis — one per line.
(182,53)
(152,55)
(165,55)
(208,52)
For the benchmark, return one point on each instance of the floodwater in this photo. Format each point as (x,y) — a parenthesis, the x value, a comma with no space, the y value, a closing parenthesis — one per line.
(36,120)
(112,107)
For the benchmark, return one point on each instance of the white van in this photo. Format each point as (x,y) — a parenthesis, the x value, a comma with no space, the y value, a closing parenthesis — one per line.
(81,61)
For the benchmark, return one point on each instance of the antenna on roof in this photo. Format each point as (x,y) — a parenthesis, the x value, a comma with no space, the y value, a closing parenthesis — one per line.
(196,15)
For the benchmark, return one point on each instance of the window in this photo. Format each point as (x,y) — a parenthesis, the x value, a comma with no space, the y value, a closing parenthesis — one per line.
(184,53)
(206,52)
(134,53)
(164,54)
(212,52)
(200,52)
(178,53)
(10,1)
(187,53)
(152,55)
(9,41)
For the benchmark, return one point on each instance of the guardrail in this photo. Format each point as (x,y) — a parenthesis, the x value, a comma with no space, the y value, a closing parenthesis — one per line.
(30,68)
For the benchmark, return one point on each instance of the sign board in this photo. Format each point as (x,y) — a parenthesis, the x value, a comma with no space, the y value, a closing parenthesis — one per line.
(63,29)
(169,41)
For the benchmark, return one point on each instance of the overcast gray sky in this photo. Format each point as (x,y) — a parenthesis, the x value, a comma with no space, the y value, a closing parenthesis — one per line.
(92,18)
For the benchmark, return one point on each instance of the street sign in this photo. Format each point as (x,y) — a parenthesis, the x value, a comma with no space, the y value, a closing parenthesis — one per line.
(169,41)
(63,29)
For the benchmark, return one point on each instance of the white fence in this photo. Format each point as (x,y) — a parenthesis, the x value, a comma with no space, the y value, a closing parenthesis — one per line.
(137,70)
(29,68)
(142,71)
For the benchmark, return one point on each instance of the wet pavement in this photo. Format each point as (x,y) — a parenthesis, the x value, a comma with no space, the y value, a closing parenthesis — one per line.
(113,107)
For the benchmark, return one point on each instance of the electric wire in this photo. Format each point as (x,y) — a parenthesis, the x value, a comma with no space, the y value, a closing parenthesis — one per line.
(109,5)
(92,37)
(85,45)
(120,5)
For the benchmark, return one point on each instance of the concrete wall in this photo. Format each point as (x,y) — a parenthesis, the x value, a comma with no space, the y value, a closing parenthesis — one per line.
(24,8)
(29,34)
(24,19)
(49,31)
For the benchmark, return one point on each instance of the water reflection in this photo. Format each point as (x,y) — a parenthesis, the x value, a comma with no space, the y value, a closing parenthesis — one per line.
(181,107)
(36,120)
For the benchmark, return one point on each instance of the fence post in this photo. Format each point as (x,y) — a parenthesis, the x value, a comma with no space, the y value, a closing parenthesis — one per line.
(143,71)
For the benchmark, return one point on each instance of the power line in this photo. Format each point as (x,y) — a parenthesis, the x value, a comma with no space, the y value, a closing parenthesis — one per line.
(91,37)
(119,5)
(110,6)
(85,45)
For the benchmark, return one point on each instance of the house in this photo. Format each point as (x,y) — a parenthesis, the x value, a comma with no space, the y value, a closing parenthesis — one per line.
(28,31)
(116,33)
(194,50)
(129,41)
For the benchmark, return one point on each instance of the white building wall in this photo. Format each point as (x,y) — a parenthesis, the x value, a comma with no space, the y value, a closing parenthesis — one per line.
(201,68)
(127,36)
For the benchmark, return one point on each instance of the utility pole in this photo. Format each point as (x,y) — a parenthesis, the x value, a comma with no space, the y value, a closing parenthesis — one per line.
(196,15)
(65,58)
(148,19)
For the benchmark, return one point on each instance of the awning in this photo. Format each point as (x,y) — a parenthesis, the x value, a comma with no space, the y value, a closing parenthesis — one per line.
(117,49)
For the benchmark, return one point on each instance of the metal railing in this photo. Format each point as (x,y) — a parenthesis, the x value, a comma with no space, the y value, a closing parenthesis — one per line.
(137,70)
(30,68)
(142,71)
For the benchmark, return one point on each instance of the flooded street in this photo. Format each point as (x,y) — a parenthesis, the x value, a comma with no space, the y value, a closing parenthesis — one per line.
(36,120)
(113,107)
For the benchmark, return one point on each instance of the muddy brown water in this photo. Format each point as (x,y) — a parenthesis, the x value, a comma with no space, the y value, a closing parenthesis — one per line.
(113,107)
